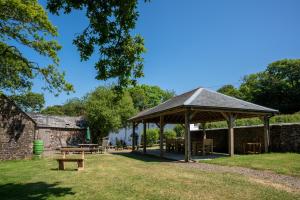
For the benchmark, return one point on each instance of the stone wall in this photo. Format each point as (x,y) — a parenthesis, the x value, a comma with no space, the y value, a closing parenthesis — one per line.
(57,137)
(16,131)
(283,137)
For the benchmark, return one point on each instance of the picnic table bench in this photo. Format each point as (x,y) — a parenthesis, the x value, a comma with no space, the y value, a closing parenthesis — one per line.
(61,163)
(79,161)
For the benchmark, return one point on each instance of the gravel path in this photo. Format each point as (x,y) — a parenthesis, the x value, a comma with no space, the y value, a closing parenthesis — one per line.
(288,183)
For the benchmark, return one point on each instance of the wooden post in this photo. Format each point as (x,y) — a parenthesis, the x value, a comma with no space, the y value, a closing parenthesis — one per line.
(161,138)
(145,138)
(231,121)
(230,118)
(266,133)
(187,137)
(204,137)
(133,136)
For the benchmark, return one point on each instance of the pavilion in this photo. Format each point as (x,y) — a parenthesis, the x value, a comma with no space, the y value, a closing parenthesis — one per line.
(201,106)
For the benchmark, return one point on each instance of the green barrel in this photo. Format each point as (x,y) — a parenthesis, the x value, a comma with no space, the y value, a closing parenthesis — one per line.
(38,147)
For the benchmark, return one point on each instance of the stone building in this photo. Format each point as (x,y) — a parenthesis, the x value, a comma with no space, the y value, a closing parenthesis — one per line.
(17,131)
(58,131)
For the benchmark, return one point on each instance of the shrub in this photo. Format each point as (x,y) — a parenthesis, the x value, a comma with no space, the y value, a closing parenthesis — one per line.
(169,134)
(179,130)
(152,136)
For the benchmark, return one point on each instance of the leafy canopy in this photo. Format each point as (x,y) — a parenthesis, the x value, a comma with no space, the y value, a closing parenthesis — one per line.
(147,96)
(109,34)
(25,23)
(105,113)
(277,87)
(73,107)
(29,102)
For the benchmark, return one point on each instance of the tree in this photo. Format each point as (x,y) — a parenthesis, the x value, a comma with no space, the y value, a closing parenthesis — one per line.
(230,90)
(152,136)
(29,102)
(105,113)
(109,33)
(277,87)
(169,134)
(74,107)
(53,110)
(146,96)
(25,23)
(179,130)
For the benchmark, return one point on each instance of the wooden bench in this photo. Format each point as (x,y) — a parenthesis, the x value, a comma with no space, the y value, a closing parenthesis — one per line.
(61,163)
(80,161)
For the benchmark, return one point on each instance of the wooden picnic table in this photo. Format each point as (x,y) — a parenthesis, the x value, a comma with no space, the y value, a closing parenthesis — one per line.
(88,145)
(252,147)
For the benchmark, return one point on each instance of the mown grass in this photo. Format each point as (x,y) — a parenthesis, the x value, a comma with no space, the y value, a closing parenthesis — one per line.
(282,163)
(125,177)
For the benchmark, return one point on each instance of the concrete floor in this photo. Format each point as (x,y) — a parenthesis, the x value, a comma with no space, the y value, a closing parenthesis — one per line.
(180,157)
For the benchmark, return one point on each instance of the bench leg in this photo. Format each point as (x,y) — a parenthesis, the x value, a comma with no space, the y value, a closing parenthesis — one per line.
(61,165)
(80,165)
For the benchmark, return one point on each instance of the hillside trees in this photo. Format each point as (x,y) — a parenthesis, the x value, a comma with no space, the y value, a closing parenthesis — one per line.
(277,87)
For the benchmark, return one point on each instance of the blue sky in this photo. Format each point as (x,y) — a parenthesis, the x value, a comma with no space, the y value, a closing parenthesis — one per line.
(191,43)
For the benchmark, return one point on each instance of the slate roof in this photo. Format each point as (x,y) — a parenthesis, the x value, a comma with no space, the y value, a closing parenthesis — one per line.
(203,98)
(50,121)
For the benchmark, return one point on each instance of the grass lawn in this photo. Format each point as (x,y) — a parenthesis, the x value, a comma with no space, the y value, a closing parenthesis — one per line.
(126,177)
(283,163)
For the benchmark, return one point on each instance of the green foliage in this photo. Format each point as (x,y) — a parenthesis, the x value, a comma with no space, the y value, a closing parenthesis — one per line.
(179,130)
(109,32)
(106,113)
(169,134)
(72,107)
(152,136)
(289,118)
(53,110)
(29,102)
(230,90)
(26,23)
(146,96)
(277,87)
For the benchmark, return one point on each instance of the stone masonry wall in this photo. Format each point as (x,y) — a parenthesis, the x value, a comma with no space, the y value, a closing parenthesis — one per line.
(283,137)
(16,131)
(57,137)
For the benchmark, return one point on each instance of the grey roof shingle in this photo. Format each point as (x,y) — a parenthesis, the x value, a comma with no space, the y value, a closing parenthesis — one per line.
(51,121)
(205,99)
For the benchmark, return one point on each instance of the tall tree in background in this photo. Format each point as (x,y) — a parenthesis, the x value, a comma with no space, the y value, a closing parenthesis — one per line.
(106,113)
(72,107)
(109,34)
(277,87)
(29,102)
(230,90)
(25,23)
(147,96)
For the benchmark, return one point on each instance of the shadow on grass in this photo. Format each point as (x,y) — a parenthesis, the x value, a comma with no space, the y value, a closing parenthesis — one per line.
(34,191)
(142,157)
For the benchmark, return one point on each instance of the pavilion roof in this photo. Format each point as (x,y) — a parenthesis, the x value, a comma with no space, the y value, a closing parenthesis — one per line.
(205,100)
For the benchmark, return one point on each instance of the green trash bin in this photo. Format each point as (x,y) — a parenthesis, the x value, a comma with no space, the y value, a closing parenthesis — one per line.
(38,147)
